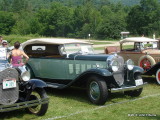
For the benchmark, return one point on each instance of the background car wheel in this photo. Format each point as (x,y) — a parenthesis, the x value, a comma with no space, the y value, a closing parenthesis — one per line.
(97,90)
(135,93)
(146,62)
(158,76)
(42,108)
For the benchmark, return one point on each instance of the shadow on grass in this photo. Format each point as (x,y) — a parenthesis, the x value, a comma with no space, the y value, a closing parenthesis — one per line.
(150,80)
(80,95)
(69,93)
(16,114)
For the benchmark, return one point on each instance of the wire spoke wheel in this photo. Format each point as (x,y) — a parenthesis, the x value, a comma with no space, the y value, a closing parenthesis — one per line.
(40,109)
(145,64)
(35,96)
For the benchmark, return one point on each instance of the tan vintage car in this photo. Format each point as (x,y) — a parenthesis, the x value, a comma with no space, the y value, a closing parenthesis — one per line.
(143,51)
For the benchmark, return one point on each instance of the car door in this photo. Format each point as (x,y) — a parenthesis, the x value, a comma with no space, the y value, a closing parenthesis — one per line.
(46,62)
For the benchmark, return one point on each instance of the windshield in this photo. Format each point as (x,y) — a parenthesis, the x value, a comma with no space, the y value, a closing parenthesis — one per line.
(76,48)
(138,46)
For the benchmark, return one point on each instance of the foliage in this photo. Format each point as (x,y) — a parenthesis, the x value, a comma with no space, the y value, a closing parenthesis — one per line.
(113,22)
(102,19)
(6,22)
(144,18)
(55,21)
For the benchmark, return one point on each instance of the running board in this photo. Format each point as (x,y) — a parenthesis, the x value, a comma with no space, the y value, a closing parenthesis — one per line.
(55,85)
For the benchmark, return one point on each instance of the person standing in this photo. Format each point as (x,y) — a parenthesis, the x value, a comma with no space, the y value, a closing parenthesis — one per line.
(4,43)
(154,36)
(17,56)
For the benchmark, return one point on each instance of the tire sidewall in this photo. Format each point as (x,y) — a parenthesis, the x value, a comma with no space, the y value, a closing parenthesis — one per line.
(157,78)
(102,87)
(150,58)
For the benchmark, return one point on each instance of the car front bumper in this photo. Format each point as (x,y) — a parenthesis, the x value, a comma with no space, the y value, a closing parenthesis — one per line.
(20,105)
(128,88)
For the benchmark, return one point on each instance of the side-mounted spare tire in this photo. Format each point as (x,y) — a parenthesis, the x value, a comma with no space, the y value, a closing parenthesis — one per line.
(146,62)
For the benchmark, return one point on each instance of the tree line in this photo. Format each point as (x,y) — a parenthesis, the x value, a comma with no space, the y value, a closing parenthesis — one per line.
(58,19)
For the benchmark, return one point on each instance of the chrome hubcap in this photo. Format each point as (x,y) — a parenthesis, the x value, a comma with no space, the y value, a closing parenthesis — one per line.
(94,90)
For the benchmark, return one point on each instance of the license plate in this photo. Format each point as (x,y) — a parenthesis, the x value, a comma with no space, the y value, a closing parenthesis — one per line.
(139,82)
(9,83)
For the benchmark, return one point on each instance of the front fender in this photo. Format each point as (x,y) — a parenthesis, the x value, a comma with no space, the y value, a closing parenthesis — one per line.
(138,69)
(98,71)
(37,83)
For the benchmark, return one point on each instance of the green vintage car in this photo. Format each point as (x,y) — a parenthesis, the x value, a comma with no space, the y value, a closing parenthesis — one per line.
(62,63)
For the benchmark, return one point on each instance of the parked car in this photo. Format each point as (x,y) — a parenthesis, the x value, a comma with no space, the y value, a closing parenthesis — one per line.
(18,91)
(143,51)
(62,63)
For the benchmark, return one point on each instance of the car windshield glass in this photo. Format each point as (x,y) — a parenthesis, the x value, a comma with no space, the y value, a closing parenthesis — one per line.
(138,46)
(77,48)
(150,45)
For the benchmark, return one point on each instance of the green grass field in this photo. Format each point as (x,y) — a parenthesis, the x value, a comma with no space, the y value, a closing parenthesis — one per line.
(73,104)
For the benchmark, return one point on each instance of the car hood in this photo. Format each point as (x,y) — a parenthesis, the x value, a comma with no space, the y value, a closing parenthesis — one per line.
(96,57)
(151,51)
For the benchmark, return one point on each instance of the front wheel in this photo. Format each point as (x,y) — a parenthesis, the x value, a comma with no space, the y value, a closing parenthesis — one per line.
(135,93)
(97,90)
(158,76)
(42,108)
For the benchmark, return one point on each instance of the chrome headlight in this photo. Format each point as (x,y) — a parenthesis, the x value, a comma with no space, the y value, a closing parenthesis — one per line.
(114,66)
(25,75)
(129,64)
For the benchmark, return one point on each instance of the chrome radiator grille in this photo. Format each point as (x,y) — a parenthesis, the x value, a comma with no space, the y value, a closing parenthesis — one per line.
(119,75)
(10,95)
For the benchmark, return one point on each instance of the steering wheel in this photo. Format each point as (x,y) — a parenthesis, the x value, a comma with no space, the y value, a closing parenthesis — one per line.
(39,49)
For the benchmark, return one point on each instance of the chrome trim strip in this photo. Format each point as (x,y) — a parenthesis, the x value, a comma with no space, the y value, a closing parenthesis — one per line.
(114,90)
(5,108)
